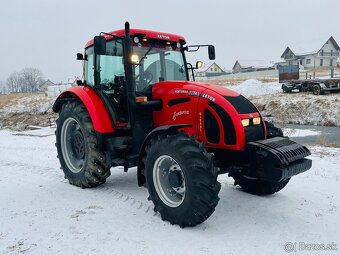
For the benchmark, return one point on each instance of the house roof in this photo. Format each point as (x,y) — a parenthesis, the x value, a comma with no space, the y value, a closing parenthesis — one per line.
(310,48)
(48,82)
(254,63)
(206,66)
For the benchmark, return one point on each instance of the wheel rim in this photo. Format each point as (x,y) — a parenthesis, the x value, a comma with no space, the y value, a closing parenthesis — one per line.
(73,145)
(316,90)
(169,181)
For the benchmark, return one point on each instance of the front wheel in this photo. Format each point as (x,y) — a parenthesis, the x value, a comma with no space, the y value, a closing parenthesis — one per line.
(181,179)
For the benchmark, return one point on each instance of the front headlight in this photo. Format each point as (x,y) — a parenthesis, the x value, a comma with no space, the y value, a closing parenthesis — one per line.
(256,121)
(245,122)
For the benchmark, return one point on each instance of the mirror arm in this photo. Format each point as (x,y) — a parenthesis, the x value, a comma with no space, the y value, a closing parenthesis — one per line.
(114,36)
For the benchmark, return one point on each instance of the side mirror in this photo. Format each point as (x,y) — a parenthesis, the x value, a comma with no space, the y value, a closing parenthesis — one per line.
(99,45)
(211,52)
(80,56)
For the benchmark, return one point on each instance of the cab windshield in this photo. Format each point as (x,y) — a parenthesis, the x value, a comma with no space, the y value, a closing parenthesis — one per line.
(158,64)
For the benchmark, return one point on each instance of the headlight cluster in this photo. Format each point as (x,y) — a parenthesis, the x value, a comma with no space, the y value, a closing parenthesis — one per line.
(254,121)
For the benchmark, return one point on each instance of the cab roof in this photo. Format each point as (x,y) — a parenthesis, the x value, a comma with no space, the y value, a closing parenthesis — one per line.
(148,34)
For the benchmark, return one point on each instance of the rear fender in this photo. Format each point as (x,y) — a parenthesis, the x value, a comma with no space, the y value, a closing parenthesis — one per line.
(99,115)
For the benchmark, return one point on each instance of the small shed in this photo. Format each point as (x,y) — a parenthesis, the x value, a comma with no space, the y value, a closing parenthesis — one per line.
(45,85)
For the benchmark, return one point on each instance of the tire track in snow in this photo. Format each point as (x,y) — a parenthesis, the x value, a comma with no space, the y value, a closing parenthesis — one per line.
(53,175)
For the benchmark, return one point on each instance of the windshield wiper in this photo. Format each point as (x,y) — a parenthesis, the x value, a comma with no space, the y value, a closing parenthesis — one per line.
(146,53)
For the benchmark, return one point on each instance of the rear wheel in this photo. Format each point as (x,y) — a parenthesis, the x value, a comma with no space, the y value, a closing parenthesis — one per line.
(285,89)
(181,179)
(317,90)
(82,162)
(260,187)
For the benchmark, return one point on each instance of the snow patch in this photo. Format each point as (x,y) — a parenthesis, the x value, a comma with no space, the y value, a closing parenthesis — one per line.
(292,132)
(254,87)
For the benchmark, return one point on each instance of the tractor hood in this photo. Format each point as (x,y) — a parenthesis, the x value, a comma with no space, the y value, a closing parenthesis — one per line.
(218,89)
(198,86)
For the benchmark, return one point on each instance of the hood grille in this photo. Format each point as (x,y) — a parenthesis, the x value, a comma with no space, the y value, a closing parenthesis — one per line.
(241,104)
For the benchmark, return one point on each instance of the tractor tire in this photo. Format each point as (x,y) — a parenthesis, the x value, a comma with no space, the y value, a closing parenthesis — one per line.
(181,179)
(84,165)
(260,187)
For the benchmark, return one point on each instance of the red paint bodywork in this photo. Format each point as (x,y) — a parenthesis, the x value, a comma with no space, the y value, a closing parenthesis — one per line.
(148,34)
(94,105)
(192,112)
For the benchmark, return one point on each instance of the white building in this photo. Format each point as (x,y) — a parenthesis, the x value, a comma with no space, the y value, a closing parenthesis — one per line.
(242,66)
(321,55)
(210,69)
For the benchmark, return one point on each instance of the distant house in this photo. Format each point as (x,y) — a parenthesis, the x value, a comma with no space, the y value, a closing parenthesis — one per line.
(210,69)
(320,55)
(242,66)
(45,85)
(338,62)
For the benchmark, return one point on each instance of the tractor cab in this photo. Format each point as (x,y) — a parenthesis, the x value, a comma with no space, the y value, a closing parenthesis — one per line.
(123,65)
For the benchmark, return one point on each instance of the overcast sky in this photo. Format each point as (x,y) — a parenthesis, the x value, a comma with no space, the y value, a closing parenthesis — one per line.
(47,34)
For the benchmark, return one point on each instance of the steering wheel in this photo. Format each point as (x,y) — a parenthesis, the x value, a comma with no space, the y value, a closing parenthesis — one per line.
(145,81)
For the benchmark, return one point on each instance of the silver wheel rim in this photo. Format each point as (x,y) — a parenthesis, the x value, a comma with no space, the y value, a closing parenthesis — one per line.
(169,181)
(73,145)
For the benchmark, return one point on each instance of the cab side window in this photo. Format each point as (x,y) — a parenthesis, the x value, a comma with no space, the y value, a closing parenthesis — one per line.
(89,67)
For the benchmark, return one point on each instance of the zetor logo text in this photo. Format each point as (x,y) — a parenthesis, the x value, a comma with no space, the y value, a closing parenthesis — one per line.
(177,114)
(166,37)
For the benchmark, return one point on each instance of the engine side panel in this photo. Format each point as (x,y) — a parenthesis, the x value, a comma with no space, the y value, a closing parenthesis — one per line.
(213,119)
(180,101)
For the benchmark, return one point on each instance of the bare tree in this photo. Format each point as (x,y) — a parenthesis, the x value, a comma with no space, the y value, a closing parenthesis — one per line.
(32,79)
(14,82)
(27,80)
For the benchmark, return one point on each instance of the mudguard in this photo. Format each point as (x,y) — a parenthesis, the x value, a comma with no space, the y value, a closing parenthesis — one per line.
(99,115)
(169,129)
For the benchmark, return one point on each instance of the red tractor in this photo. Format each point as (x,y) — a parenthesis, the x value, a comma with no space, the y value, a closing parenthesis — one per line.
(136,106)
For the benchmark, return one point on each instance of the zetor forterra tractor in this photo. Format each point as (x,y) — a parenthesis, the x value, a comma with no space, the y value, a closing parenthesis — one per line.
(136,106)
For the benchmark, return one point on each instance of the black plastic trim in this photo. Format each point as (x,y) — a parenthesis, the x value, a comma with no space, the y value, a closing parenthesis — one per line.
(176,101)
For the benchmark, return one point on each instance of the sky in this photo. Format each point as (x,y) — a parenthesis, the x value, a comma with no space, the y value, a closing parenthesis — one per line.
(48,34)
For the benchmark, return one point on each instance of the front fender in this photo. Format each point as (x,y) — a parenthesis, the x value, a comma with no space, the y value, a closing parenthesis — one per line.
(168,129)
(99,115)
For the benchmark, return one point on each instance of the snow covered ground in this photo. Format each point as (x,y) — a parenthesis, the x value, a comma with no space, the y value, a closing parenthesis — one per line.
(42,214)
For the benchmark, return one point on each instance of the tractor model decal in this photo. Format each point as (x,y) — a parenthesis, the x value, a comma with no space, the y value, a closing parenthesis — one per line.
(211,98)
(177,114)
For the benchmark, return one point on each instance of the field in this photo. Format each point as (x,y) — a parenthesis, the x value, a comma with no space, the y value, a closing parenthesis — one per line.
(42,214)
